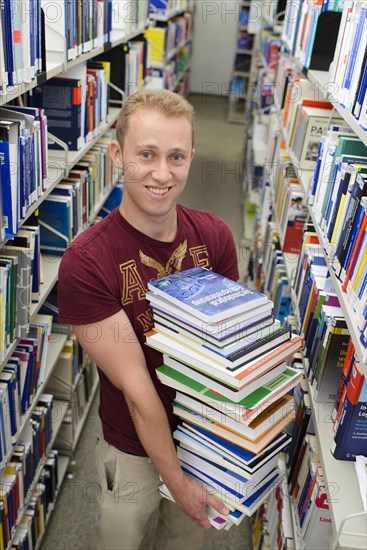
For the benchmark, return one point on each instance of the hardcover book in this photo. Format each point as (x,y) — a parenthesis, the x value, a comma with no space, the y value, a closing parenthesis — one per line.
(351,433)
(206,295)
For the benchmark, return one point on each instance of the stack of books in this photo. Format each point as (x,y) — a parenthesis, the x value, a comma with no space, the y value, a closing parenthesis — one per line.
(226,356)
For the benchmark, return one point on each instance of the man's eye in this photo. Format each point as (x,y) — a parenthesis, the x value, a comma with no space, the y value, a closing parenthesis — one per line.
(176,157)
(146,155)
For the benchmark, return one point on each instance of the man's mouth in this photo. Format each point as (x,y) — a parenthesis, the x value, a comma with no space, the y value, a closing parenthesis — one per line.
(159,190)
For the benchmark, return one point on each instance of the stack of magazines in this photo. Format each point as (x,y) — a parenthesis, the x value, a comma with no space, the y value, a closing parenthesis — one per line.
(225,355)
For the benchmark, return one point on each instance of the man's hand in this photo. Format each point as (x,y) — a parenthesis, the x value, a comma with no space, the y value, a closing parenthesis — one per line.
(193,498)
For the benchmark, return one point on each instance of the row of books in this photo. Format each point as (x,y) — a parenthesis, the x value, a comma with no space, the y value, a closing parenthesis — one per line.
(69,208)
(76,104)
(308,489)
(69,365)
(328,350)
(80,401)
(305,121)
(16,480)
(225,355)
(172,74)
(348,72)
(21,279)
(74,376)
(272,523)
(85,25)
(245,41)
(334,371)
(167,8)
(321,320)
(341,41)
(129,17)
(288,196)
(349,415)
(66,210)
(129,68)
(20,378)
(21,42)
(269,47)
(304,23)
(339,205)
(23,167)
(136,55)
(275,281)
(30,526)
(167,38)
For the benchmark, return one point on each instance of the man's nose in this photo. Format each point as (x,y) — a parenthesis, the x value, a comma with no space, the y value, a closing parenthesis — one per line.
(161,172)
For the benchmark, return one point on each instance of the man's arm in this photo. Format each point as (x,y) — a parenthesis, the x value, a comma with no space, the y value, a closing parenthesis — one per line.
(123,362)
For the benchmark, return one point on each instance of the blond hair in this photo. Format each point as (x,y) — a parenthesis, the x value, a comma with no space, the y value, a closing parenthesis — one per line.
(163,101)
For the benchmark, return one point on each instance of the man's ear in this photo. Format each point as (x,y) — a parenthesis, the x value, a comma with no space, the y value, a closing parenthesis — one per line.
(116,154)
(192,154)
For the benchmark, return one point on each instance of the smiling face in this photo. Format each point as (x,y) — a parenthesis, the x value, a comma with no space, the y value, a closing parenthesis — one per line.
(156,158)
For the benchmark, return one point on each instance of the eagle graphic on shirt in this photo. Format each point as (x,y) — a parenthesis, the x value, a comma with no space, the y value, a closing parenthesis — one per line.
(174,262)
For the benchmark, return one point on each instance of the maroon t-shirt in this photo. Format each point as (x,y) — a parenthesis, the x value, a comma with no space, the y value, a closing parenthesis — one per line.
(107,268)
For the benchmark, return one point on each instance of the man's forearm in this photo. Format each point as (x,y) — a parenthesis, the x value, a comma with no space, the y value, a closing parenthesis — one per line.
(154,432)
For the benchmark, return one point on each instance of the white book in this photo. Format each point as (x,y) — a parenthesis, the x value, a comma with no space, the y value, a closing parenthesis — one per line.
(193,443)
(234,395)
(235,378)
(252,431)
(56,14)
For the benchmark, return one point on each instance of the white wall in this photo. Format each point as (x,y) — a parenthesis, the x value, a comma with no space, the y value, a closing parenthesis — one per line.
(214,45)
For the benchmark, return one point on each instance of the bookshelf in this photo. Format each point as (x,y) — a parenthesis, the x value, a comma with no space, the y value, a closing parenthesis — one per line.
(241,72)
(347,510)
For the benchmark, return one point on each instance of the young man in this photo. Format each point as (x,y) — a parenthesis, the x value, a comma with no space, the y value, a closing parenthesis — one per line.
(102,283)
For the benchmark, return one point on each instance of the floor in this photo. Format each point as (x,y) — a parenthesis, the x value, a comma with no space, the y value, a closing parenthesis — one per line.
(214,184)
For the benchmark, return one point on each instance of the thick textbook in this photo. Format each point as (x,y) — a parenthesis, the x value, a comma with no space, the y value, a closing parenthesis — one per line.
(206,295)
(350,438)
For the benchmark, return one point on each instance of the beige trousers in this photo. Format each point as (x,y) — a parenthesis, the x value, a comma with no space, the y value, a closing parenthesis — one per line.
(129,495)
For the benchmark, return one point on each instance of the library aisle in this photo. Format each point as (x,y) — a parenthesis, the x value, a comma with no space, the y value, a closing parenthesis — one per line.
(214,184)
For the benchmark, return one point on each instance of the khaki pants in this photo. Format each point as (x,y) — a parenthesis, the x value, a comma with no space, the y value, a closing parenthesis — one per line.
(129,489)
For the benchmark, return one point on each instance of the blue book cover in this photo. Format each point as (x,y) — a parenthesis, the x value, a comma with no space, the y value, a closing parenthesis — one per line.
(113,200)
(353,55)
(361,91)
(351,434)
(158,7)
(214,480)
(61,99)
(362,210)
(56,214)
(207,295)
(251,460)
(5,183)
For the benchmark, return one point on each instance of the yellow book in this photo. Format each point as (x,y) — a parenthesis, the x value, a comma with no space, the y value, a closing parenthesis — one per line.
(157,39)
(333,244)
(360,267)
(310,298)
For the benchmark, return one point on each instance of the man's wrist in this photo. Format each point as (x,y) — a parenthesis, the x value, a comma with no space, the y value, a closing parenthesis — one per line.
(175,480)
